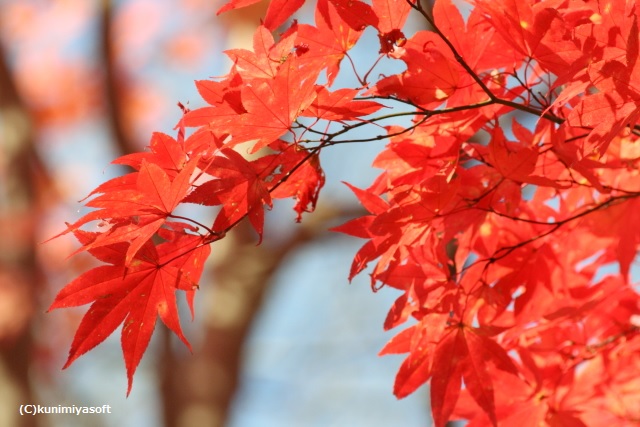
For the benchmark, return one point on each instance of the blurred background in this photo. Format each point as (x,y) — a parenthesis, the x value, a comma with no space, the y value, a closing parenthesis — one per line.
(280,337)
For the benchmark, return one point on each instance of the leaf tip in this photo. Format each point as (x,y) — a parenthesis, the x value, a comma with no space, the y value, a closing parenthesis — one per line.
(129,385)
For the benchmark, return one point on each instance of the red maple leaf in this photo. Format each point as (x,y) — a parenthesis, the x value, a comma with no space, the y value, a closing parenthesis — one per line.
(361,227)
(165,152)
(616,106)
(480,45)
(292,172)
(464,354)
(392,15)
(272,105)
(266,57)
(328,41)
(151,201)
(431,75)
(236,186)
(516,161)
(134,295)
(420,342)
(339,105)
(355,13)
(134,207)
(226,91)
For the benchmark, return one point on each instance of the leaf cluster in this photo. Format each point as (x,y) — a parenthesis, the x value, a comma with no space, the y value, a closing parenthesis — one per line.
(495,211)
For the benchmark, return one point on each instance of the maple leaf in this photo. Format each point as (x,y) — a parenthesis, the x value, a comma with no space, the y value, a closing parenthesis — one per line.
(222,92)
(431,75)
(237,187)
(135,206)
(225,98)
(165,152)
(617,222)
(133,296)
(516,161)
(412,159)
(423,281)
(266,57)
(361,227)
(516,408)
(152,200)
(616,106)
(419,341)
(608,114)
(328,41)
(464,354)
(279,11)
(515,21)
(339,105)
(480,45)
(392,15)
(292,173)
(272,105)
(357,14)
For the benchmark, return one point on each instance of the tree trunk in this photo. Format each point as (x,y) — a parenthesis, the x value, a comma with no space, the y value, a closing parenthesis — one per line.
(19,273)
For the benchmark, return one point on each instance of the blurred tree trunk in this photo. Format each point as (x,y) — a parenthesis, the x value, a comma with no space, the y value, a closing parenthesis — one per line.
(199,388)
(114,84)
(19,272)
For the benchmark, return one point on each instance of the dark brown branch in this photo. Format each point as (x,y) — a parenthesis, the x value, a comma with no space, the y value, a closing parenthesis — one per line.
(113,81)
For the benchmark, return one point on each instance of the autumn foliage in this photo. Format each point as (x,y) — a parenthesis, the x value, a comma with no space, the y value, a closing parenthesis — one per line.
(506,212)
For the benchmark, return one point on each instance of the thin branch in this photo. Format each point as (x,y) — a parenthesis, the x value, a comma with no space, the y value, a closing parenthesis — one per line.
(381,137)
(210,231)
(506,250)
